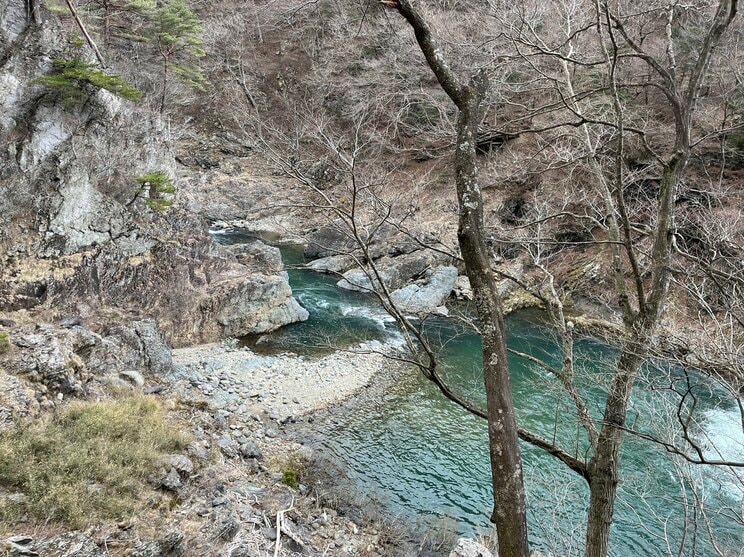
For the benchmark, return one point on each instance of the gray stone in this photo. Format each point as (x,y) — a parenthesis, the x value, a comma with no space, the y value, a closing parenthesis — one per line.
(151,549)
(328,240)
(244,550)
(269,533)
(142,346)
(133,377)
(258,257)
(172,544)
(171,480)
(227,527)
(21,540)
(199,452)
(466,547)
(71,544)
(20,546)
(250,450)
(180,463)
(395,272)
(17,400)
(462,289)
(332,264)
(228,446)
(260,304)
(426,298)
(71,321)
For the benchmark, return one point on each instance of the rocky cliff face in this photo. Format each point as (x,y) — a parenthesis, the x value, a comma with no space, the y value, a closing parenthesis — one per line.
(77,234)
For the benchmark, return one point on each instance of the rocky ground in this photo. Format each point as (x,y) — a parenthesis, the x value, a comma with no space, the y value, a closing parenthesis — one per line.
(242,384)
(244,487)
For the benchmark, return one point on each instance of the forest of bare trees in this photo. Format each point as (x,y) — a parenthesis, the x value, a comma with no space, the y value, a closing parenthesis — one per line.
(606,71)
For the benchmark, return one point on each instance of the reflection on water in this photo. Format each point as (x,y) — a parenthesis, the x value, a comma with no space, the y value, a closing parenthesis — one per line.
(427,460)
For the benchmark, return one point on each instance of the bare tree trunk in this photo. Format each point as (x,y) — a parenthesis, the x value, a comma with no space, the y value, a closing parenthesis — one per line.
(165,86)
(605,463)
(604,466)
(107,16)
(85,33)
(509,512)
(34,11)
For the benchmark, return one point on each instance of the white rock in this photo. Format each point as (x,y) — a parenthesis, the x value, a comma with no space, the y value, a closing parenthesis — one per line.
(133,377)
(466,547)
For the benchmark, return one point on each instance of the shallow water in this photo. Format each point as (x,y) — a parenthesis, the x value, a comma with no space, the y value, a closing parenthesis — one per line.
(425,459)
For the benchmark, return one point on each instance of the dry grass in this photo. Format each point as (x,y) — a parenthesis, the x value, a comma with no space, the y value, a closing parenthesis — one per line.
(87,463)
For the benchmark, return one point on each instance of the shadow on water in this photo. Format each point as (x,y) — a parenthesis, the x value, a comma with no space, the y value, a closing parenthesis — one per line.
(408,449)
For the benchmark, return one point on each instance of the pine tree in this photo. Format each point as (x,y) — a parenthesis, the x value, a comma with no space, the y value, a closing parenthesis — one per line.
(175,33)
(119,19)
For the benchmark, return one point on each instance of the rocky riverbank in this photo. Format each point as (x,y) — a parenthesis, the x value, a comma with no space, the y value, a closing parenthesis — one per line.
(244,486)
(240,383)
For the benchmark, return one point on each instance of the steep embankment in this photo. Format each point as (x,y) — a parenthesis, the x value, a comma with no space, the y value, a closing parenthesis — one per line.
(99,275)
(83,233)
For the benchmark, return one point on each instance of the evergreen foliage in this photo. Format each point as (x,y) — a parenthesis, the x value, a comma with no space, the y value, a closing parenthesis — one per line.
(73,78)
(120,19)
(159,184)
(4,343)
(175,32)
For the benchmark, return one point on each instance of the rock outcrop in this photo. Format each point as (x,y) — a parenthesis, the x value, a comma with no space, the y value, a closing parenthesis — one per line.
(79,234)
(420,280)
(395,272)
(466,547)
(63,360)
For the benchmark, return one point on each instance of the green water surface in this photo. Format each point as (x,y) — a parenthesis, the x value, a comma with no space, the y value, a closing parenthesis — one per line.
(423,458)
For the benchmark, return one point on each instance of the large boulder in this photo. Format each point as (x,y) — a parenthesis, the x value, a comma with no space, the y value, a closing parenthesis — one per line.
(329,240)
(258,257)
(260,304)
(395,272)
(336,239)
(332,264)
(64,359)
(428,297)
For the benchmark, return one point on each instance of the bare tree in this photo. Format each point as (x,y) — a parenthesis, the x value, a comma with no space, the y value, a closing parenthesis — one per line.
(586,127)
(510,512)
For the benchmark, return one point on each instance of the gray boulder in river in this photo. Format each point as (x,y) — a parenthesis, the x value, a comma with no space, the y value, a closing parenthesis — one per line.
(428,297)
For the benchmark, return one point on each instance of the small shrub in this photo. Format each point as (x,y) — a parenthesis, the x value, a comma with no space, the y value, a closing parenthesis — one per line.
(736,141)
(291,478)
(159,205)
(293,469)
(159,184)
(87,463)
(72,78)
(4,343)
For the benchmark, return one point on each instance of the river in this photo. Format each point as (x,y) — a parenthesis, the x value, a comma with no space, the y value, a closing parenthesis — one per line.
(421,457)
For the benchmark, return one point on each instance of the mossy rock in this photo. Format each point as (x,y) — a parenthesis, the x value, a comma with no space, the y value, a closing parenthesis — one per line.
(4,343)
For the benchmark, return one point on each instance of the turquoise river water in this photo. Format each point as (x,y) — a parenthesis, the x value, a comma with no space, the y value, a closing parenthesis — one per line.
(423,458)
